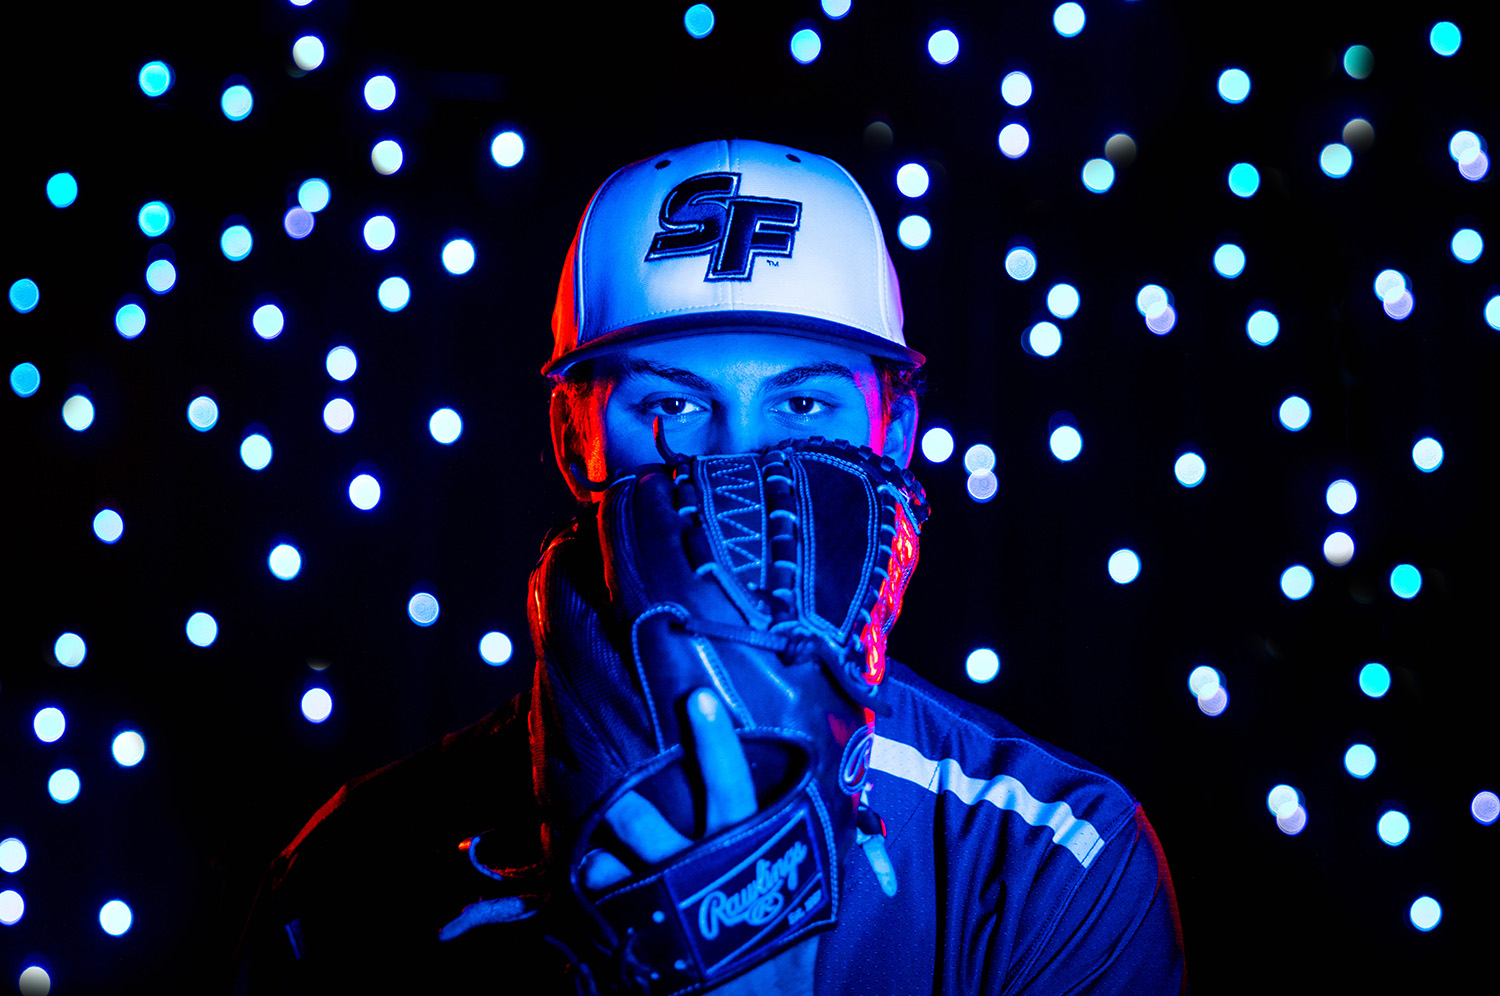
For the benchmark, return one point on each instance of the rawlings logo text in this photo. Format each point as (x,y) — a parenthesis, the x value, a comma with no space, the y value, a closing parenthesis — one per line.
(758,902)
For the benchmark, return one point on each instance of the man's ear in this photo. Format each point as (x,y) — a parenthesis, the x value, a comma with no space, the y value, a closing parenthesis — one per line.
(569,442)
(901,434)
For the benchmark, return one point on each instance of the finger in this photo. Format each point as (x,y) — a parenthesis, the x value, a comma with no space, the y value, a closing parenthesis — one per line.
(642,828)
(721,761)
(602,870)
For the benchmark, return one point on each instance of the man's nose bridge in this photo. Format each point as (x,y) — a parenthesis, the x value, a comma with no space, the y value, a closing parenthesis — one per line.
(742,429)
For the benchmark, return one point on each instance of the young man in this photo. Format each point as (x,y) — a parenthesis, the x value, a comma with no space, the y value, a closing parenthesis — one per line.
(740,293)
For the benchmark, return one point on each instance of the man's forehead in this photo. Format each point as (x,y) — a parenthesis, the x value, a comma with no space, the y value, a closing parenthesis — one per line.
(705,361)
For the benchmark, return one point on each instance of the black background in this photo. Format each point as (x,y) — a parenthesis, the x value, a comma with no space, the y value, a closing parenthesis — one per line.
(232,769)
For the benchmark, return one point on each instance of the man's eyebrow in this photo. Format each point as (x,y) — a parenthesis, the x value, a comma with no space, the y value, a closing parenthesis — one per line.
(635,367)
(799,375)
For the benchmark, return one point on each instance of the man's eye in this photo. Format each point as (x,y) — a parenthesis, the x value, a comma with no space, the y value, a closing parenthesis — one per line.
(674,406)
(805,406)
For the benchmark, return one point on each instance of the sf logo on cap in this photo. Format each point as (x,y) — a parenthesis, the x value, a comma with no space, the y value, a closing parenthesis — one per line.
(705,215)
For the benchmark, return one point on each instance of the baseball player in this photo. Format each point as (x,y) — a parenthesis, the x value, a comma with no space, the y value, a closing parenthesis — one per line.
(717,781)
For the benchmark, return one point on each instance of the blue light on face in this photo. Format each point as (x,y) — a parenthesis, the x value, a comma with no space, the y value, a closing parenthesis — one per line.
(942,46)
(155,78)
(24,295)
(1244,180)
(25,378)
(1234,85)
(237,102)
(806,45)
(236,243)
(1229,260)
(699,20)
(62,189)
(1375,680)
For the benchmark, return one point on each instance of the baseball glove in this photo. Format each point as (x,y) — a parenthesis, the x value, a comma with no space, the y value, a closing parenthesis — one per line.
(773,578)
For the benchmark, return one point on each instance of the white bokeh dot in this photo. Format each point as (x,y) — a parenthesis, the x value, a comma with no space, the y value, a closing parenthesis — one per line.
(317,705)
(364,492)
(495,648)
(1124,566)
(445,425)
(982,665)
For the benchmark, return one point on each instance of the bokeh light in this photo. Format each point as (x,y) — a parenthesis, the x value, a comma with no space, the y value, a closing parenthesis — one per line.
(236,242)
(338,415)
(317,705)
(161,275)
(445,425)
(237,102)
(108,525)
(1014,140)
(982,665)
(380,93)
(1427,454)
(1406,581)
(380,232)
(313,194)
(1234,85)
(979,457)
(255,451)
(202,629)
(1189,469)
(458,256)
(942,46)
(698,20)
(806,45)
(25,379)
(1098,175)
(1485,807)
(1341,497)
(495,648)
(1282,799)
(1062,300)
(62,189)
(203,413)
(154,218)
(1044,339)
(70,650)
(115,917)
(364,492)
(130,320)
(12,855)
(386,156)
(1020,264)
(1229,260)
(268,321)
(285,561)
(308,52)
(341,363)
(937,445)
(914,231)
(1359,61)
(508,149)
(12,908)
(1467,245)
(982,486)
(1338,548)
(423,608)
(1296,582)
(128,748)
(1425,913)
(912,180)
(1358,134)
(1068,19)
(155,78)
(835,9)
(1445,38)
(1065,442)
(1015,88)
(1359,760)
(49,724)
(298,222)
(78,413)
(1244,180)
(1393,827)
(63,786)
(1151,300)
(1124,566)
(1162,322)
(1293,413)
(1335,160)
(1262,327)
(1492,312)
(24,295)
(1375,680)
(1204,680)
(394,293)
(1120,149)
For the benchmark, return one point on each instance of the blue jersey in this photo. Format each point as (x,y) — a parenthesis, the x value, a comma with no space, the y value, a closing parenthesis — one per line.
(1020,869)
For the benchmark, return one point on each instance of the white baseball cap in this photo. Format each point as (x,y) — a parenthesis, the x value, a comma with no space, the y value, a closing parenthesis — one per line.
(728,236)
